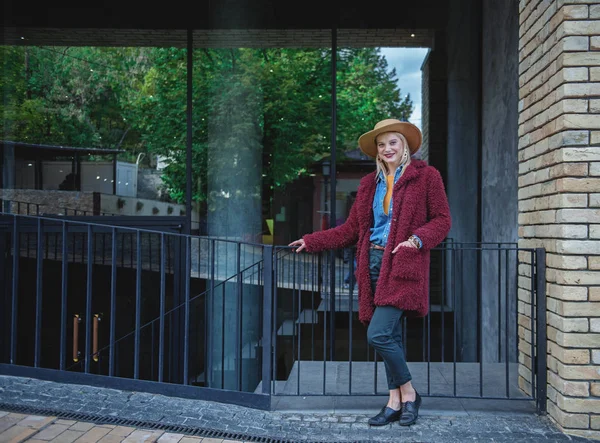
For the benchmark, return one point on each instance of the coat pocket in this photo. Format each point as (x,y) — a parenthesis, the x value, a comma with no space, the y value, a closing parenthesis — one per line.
(407,264)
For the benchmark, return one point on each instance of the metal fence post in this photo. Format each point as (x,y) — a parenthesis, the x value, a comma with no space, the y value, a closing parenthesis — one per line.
(16,257)
(541,344)
(267,332)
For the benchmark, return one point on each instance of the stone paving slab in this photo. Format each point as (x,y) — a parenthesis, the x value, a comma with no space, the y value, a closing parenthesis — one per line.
(303,425)
(28,430)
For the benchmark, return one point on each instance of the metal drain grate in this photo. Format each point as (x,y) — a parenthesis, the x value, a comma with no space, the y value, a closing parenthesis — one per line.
(105,420)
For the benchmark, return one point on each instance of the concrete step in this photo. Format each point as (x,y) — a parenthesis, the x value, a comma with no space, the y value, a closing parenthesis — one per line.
(435,378)
(290,326)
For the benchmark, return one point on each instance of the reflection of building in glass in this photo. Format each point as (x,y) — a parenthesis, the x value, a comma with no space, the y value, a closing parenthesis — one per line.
(49,179)
(49,167)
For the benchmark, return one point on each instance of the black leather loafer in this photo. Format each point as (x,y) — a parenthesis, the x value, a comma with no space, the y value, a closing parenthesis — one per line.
(410,411)
(385,417)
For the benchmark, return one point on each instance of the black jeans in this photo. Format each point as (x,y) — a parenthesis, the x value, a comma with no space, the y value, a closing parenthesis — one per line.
(385,332)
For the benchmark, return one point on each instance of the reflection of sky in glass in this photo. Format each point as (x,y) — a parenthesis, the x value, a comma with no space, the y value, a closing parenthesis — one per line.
(407,62)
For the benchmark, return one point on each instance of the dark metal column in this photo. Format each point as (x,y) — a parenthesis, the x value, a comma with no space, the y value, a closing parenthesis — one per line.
(177,331)
(38,177)
(267,332)
(4,295)
(77,172)
(332,184)
(114,168)
(188,162)
(2,167)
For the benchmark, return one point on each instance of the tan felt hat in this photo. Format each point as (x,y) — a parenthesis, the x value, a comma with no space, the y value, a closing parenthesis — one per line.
(408,130)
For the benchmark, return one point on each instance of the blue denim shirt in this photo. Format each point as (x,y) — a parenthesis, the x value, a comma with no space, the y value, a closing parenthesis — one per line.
(382,221)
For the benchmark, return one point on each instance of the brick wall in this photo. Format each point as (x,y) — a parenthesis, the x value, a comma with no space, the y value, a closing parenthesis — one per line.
(559,199)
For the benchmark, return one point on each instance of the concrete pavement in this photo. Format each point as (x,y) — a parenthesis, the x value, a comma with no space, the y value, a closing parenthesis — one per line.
(37,410)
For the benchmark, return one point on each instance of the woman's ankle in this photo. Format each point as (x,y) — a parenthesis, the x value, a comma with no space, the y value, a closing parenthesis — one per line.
(408,392)
(394,404)
(395,399)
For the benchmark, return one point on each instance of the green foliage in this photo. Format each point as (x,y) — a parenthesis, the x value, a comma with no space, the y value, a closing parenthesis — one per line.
(57,97)
(256,112)
(367,93)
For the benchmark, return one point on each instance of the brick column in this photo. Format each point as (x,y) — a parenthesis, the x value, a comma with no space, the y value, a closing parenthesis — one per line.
(559,199)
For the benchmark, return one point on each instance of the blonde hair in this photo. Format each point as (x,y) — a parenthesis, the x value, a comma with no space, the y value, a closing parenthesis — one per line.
(380,164)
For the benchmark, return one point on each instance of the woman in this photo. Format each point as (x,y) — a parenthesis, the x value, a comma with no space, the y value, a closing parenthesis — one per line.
(400,213)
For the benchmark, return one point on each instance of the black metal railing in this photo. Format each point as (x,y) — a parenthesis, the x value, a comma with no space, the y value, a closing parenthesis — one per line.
(131,303)
(30,208)
(84,212)
(20,207)
(227,316)
(468,345)
(77,248)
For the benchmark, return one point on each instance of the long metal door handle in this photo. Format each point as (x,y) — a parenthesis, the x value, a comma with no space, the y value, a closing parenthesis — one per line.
(95,355)
(76,321)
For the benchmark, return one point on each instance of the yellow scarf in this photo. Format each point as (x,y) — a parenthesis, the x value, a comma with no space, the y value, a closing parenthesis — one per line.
(388,194)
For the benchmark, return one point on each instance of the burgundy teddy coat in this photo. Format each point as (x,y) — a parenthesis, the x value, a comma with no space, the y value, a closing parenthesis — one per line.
(420,208)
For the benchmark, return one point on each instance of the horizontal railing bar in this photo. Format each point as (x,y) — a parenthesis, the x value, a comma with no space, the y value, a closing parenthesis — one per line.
(461,249)
(248,399)
(226,240)
(386,394)
(133,229)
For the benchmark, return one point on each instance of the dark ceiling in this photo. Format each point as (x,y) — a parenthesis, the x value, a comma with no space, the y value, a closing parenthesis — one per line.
(105,23)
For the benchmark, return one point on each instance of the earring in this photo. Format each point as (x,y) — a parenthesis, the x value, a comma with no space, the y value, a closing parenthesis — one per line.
(405,156)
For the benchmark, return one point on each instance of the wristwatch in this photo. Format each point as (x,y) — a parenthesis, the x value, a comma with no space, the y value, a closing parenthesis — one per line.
(415,241)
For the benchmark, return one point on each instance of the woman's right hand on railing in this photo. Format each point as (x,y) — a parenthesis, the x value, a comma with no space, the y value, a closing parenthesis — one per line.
(299,243)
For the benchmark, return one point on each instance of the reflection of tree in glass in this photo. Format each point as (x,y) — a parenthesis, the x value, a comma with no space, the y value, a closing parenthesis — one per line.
(65,96)
(135,99)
